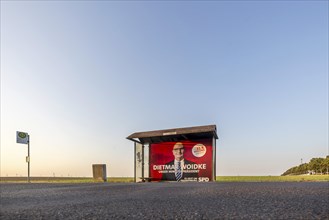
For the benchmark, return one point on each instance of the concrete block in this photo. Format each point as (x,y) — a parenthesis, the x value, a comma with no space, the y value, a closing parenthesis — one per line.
(99,172)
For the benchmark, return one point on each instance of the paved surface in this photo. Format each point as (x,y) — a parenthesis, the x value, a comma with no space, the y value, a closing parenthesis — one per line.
(305,200)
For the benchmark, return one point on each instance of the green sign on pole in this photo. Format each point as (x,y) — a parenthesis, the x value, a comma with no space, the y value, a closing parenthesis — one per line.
(22,137)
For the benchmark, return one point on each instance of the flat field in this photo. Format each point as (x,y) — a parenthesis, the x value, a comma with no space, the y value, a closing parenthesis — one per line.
(63,179)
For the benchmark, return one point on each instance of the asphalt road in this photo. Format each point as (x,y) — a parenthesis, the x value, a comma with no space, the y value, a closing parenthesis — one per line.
(300,200)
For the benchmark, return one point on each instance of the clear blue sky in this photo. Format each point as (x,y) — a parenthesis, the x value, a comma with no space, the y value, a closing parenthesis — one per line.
(80,76)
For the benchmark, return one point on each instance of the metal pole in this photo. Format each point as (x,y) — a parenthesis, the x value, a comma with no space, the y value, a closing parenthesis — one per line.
(28,162)
(135,155)
(143,162)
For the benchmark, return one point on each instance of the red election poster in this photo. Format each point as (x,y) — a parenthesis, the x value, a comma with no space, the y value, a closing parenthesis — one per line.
(193,160)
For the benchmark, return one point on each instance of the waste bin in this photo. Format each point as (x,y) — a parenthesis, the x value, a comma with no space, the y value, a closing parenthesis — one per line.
(99,172)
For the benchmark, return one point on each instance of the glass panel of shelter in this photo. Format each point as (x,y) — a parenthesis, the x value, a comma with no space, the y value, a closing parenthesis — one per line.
(142,162)
(146,161)
(138,162)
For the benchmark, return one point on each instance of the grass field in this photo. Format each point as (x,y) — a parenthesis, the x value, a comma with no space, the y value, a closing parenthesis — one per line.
(311,178)
(64,179)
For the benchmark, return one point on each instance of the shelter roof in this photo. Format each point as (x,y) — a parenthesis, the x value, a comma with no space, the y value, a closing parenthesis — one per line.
(175,134)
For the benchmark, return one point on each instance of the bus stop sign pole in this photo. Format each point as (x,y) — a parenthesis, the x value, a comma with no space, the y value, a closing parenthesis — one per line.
(28,159)
(24,138)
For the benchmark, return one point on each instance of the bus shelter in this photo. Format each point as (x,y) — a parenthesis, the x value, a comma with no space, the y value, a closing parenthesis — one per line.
(178,154)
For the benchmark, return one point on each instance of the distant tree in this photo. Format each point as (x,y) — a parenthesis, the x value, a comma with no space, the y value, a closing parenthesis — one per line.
(315,164)
(325,165)
(303,168)
(297,170)
(288,172)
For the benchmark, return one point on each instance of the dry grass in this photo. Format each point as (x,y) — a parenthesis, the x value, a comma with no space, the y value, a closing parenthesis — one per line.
(62,179)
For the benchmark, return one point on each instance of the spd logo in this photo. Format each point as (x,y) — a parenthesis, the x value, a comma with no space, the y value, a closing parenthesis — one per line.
(199,150)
